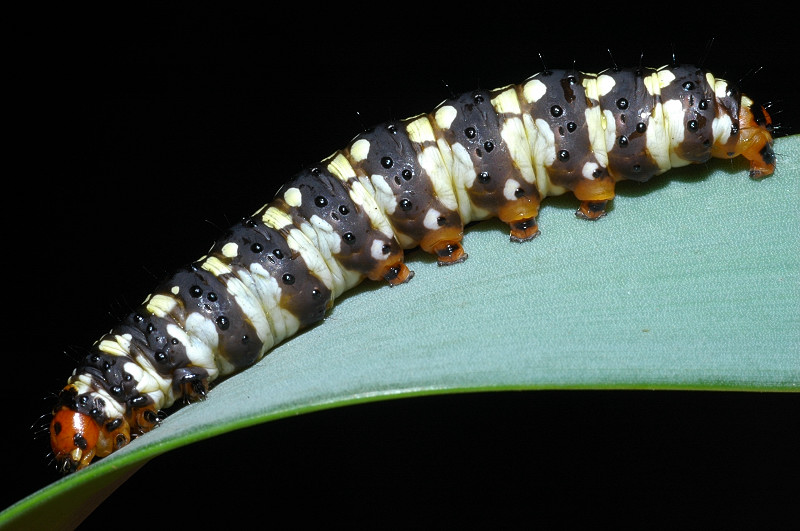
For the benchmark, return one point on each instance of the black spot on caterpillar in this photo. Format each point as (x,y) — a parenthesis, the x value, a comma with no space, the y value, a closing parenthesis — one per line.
(400,184)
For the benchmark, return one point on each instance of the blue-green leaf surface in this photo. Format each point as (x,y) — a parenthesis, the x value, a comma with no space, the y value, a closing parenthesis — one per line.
(691,282)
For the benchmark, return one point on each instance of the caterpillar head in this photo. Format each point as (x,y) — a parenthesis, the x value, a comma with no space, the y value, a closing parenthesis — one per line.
(754,139)
(79,431)
(73,438)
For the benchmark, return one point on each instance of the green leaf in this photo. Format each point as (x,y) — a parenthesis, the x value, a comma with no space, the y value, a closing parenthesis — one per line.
(690,282)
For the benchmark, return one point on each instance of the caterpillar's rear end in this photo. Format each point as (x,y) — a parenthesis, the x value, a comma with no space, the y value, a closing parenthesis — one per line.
(402,184)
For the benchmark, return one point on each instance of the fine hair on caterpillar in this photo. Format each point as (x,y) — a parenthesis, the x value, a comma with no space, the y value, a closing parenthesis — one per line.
(402,184)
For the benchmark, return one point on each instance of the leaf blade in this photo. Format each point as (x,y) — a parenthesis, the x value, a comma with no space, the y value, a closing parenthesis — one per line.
(690,283)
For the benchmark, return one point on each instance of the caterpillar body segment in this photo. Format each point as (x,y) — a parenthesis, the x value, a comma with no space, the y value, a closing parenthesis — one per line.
(402,184)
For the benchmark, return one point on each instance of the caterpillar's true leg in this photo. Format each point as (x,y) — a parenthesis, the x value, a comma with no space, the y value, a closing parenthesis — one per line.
(191,383)
(143,419)
(114,434)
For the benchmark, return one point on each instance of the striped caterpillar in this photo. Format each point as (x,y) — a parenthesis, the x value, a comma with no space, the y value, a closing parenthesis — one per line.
(402,184)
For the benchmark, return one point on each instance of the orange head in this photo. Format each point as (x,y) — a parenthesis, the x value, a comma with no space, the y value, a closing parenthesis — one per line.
(753,135)
(73,437)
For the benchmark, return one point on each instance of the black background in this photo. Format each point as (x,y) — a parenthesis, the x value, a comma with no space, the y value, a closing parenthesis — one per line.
(143,133)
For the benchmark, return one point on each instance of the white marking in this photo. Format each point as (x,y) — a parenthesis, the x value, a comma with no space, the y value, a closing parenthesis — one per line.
(604,84)
(665,77)
(328,270)
(516,139)
(594,123)
(276,218)
(510,188)
(461,167)
(377,250)
(113,404)
(202,340)
(83,384)
(326,233)
(215,266)
(549,138)
(152,383)
(145,383)
(431,219)
(710,80)
(338,165)
(246,290)
(161,305)
(656,138)
(325,243)
(543,151)
(230,250)
(420,130)
(366,200)
(462,172)
(445,115)
(721,126)
(588,170)
(175,290)
(242,289)
(383,194)
(720,88)
(652,85)
(610,127)
(676,130)
(282,322)
(134,370)
(299,242)
(533,90)
(597,135)
(432,162)
(165,398)
(507,102)
(293,197)
(360,149)
(119,346)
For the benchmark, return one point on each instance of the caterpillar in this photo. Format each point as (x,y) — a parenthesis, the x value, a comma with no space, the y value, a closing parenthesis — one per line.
(402,184)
